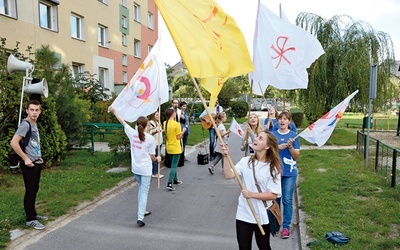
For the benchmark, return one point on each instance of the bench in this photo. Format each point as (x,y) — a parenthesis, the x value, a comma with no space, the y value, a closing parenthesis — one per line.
(353,125)
(93,128)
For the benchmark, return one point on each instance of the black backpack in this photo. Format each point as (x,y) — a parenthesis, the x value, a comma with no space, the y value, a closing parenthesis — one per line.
(13,158)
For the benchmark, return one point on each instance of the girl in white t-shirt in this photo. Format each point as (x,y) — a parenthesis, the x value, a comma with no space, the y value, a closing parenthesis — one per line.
(219,120)
(267,172)
(143,148)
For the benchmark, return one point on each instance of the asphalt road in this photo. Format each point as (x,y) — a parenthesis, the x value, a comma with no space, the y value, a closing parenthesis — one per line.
(200,214)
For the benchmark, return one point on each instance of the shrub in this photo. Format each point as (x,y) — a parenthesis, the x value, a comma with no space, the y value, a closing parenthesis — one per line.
(297,116)
(239,108)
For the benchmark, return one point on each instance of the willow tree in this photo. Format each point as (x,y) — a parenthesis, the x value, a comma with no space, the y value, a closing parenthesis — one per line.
(351,47)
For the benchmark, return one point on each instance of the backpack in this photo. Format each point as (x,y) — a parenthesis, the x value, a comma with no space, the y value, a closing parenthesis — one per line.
(336,238)
(13,158)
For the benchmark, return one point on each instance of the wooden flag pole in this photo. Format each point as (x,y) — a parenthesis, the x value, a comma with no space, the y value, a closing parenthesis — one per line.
(158,144)
(228,156)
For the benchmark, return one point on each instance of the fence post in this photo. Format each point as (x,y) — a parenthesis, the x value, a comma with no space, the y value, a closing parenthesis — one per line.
(394,167)
(377,155)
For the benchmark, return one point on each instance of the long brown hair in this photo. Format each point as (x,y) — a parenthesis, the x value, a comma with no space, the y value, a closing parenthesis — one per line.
(272,156)
(168,113)
(141,124)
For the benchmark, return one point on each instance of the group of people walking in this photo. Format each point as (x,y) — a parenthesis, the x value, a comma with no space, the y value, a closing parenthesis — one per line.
(268,169)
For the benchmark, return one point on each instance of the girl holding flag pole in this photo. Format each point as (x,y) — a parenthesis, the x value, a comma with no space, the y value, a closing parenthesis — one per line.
(143,148)
(289,151)
(264,168)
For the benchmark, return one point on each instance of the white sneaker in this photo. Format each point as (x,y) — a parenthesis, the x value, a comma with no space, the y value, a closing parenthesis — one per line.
(35,224)
(157,176)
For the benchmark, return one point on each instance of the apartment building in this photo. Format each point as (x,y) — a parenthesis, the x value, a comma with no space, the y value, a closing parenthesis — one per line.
(108,38)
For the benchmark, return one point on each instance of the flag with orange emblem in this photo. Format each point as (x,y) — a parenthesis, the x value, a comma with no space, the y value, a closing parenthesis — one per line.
(145,90)
(320,131)
(208,40)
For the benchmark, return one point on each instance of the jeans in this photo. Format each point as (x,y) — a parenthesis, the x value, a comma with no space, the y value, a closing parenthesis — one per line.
(31,177)
(218,157)
(212,141)
(155,163)
(173,172)
(288,184)
(244,235)
(144,186)
(184,141)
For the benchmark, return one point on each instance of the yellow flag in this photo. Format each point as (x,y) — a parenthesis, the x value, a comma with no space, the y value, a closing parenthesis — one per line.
(214,86)
(208,39)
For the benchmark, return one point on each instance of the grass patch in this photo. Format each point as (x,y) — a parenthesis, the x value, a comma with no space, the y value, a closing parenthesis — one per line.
(340,194)
(80,177)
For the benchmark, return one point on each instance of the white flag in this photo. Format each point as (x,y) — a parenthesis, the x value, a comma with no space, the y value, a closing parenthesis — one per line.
(236,129)
(145,90)
(320,131)
(282,52)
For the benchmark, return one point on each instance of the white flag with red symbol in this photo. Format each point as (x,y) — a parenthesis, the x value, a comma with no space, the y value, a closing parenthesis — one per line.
(236,129)
(320,131)
(145,90)
(282,52)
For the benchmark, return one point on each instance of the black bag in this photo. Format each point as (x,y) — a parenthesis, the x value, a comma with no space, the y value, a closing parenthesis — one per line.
(13,158)
(202,158)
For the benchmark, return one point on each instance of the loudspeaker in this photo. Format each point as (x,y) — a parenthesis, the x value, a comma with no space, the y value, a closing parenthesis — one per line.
(35,87)
(13,64)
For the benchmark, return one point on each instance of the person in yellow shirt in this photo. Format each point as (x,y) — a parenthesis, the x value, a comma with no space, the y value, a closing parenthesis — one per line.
(173,136)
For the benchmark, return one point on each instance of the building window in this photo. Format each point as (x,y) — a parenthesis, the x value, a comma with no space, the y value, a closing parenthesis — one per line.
(77,69)
(8,8)
(124,22)
(48,16)
(103,76)
(136,12)
(102,36)
(124,77)
(124,41)
(136,49)
(149,48)
(123,3)
(124,60)
(77,26)
(150,21)
(103,1)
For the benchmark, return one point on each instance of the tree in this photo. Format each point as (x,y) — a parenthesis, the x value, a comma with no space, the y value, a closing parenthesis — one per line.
(349,46)
(52,137)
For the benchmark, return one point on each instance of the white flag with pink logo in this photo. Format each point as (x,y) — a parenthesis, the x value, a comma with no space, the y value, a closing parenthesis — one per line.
(236,128)
(145,90)
(320,131)
(281,53)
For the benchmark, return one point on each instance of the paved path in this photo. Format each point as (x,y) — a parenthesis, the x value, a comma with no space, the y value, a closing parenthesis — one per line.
(200,214)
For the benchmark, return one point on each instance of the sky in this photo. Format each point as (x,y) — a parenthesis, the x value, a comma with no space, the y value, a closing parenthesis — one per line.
(382,15)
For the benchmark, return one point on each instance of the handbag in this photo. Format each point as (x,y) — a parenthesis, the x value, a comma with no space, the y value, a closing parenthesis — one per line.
(273,212)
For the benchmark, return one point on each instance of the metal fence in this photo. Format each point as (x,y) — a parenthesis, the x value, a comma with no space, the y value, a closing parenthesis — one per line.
(384,158)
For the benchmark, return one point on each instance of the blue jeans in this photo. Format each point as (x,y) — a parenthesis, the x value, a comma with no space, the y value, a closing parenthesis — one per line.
(212,141)
(155,163)
(288,184)
(173,172)
(144,186)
